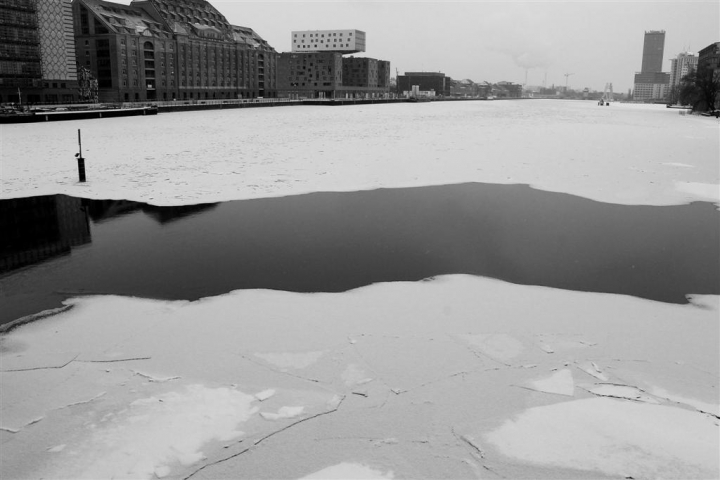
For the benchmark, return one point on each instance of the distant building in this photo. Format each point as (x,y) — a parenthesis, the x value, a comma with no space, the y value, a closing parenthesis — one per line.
(37,52)
(464,88)
(653,51)
(316,67)
(344,41)
(425,81)
(384,74)
(309,75)
(507,90)
(360,72)
(329,75)
(709,57)
(651,86)
(651,83)
(170,49)
(680,66)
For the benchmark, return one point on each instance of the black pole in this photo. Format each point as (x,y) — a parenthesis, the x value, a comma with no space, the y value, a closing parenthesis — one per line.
(80,159)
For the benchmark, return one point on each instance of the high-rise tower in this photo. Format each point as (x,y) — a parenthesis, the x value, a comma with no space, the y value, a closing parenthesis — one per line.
(653,49)
(651,84)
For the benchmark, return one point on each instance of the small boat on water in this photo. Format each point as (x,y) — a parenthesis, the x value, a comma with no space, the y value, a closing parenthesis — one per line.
(58,114)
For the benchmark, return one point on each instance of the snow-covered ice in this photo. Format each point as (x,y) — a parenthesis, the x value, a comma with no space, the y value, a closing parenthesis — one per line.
(422,382)
(621,154)
(455,377)
(560,382)
(622,439)
(349,471)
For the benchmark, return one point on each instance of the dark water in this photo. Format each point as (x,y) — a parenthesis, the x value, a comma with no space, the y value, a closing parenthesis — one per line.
(55,247)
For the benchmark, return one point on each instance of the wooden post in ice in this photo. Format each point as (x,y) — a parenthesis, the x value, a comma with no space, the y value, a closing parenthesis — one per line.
(80,159)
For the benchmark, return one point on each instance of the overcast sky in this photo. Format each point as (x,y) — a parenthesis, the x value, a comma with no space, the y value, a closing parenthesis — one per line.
(598,42)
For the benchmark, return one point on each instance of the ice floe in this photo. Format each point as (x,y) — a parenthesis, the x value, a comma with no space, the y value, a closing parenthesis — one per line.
(620,391)
(499,346)
(560,382)
(349,471)
(287,361)
(614,437)
(154,434)
(318,400)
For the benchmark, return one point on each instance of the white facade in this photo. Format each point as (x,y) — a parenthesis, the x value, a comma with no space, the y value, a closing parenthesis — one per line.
(344,41)
(680,66)
(650,91)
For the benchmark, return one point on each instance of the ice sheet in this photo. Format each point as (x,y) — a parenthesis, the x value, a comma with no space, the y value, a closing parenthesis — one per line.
(564,146)
(407,377)
(614,437)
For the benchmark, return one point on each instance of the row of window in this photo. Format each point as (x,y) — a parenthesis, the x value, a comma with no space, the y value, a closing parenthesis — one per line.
(302,84)
(149,85)
(196,12)
(317,77)
(322,35)
(326,46)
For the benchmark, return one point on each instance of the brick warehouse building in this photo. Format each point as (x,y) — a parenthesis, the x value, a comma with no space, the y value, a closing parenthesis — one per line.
(37,52)
(170,49)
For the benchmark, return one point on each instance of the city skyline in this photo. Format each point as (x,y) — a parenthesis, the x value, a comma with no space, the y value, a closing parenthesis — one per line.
(596,42)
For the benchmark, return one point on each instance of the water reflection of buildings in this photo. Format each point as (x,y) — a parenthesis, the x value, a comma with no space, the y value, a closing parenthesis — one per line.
(102,210)
(38,228)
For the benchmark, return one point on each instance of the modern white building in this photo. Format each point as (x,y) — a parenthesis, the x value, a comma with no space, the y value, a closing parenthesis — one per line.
(651,87)
(343,41)
(680,66)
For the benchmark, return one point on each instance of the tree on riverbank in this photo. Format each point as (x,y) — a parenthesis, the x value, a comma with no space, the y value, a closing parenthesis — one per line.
(700,88)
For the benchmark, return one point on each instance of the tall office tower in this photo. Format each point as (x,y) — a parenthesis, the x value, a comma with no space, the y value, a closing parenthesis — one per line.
(651,83)
(653,50)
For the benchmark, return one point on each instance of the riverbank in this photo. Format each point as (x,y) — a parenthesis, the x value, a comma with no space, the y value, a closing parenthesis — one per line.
(198,105)
(64,114)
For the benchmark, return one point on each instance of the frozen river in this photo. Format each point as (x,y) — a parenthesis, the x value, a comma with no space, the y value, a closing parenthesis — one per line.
(566,328)
(626,154)
(635,155)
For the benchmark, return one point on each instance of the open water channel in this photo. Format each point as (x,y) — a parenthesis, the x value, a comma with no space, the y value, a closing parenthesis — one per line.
(55,247)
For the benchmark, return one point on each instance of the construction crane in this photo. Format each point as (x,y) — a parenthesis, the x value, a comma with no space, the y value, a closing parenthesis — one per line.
(566,80)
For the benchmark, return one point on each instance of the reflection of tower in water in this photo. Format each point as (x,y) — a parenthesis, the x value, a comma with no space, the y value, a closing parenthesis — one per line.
(38,228)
